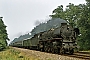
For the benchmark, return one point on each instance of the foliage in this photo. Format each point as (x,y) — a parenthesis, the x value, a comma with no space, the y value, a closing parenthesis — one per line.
(3,35)
(79,16)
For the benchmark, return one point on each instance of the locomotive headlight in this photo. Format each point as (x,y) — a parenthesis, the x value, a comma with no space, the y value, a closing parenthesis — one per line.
(63,44)
(67,28)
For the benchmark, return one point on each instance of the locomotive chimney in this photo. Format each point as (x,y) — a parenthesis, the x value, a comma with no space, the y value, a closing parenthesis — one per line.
(62,24)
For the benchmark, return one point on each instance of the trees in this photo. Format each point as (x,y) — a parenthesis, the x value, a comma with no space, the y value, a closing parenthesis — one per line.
(3,35)
(79,15)
(71,13)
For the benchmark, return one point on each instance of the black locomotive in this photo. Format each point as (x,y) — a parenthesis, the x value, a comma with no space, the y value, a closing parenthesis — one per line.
(56,40)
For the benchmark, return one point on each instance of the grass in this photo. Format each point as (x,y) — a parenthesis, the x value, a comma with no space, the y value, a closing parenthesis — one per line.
(86,51)
(12,54)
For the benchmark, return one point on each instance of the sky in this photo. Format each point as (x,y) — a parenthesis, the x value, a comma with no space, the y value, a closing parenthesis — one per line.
(21,16)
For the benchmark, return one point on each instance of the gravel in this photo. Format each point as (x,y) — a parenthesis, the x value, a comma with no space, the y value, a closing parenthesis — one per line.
(46,56)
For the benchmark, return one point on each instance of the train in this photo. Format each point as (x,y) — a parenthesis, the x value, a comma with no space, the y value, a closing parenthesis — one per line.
(58,40)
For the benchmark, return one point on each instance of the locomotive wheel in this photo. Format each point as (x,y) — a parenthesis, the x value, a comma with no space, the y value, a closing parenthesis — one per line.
(62,51)
(45,48)
(49,49)
(56,51)
(52,50)
(71,51)
(38,47)
(41,49)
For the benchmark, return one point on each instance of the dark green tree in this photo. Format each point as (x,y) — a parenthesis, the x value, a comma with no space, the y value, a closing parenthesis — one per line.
(84,24)
(58,12)
(71,13)
(3,35)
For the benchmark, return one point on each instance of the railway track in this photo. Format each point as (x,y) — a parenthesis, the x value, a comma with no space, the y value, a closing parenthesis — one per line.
(47,56)
(81,55)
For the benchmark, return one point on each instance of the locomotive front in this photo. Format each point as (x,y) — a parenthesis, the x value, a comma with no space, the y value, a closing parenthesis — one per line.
(69,38)
(67,32)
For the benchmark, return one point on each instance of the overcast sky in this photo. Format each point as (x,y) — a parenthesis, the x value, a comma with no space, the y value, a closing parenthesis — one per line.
(20,16)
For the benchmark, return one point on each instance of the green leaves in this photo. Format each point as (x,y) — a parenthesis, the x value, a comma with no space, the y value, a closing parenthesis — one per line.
(3,35)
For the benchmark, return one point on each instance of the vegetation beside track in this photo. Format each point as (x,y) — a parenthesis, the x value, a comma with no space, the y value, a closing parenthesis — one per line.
(88,51)
(13,54)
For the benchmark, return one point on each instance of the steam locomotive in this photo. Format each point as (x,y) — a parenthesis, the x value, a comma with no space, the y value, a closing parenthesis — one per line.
(56,40)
